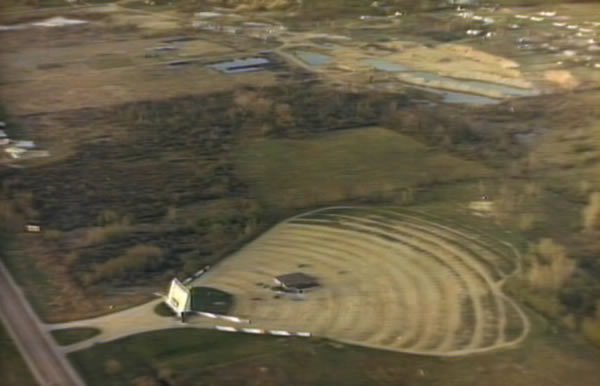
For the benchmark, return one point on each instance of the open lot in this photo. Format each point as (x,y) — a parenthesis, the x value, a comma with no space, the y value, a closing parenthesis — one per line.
(389,279)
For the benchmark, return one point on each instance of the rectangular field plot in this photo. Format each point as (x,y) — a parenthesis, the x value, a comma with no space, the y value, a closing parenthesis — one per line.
(350,164)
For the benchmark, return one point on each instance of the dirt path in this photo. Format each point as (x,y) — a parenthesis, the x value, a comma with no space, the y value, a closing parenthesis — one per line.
(118,325)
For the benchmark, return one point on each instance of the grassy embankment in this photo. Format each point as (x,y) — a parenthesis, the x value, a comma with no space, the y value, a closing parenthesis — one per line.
(12,366)
(73,335)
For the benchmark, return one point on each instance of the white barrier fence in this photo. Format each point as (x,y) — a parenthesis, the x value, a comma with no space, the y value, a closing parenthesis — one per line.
(234,319)
(226,328)
(197,274)
(253,330)
(261,331)
(280,333)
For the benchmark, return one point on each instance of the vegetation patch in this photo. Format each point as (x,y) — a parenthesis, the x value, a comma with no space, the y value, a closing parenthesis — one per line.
(136,259)
(73,335)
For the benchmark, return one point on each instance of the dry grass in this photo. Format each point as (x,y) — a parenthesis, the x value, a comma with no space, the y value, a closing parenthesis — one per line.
(591,213)
(591,330)
(106,233)
(135,259)
(549,266)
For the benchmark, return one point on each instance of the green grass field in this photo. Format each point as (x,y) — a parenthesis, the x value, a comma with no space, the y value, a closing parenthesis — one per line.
(204,357)
(368,163)
(73,335)
(13,370)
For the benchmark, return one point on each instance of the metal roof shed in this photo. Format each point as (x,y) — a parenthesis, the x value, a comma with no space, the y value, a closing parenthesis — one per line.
(296,280)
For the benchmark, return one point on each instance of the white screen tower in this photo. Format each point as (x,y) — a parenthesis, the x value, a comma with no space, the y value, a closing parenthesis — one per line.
(179,298)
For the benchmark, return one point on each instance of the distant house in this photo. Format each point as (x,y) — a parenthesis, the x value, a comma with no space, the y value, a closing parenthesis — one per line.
(25,144)
(15,152)
(296,281)
(32,228)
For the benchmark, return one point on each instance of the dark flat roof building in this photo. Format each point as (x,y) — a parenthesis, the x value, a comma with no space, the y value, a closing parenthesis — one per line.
(296,280)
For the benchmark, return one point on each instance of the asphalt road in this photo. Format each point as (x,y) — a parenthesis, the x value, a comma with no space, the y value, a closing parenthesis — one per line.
(48,365)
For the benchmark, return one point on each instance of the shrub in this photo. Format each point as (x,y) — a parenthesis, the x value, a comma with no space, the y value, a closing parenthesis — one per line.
(591,213)
(135,259)
(526,221)
(542,301)
(112,367)
(549,265)
(52,235)
(145,380)
(591,330)
(171,215)
(107,216)
(99,235)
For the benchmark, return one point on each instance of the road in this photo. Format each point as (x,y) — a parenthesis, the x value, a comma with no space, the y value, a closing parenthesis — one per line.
(48,365)
(132,321)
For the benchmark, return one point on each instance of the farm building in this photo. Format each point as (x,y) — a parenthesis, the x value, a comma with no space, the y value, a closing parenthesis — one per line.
(296,281)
